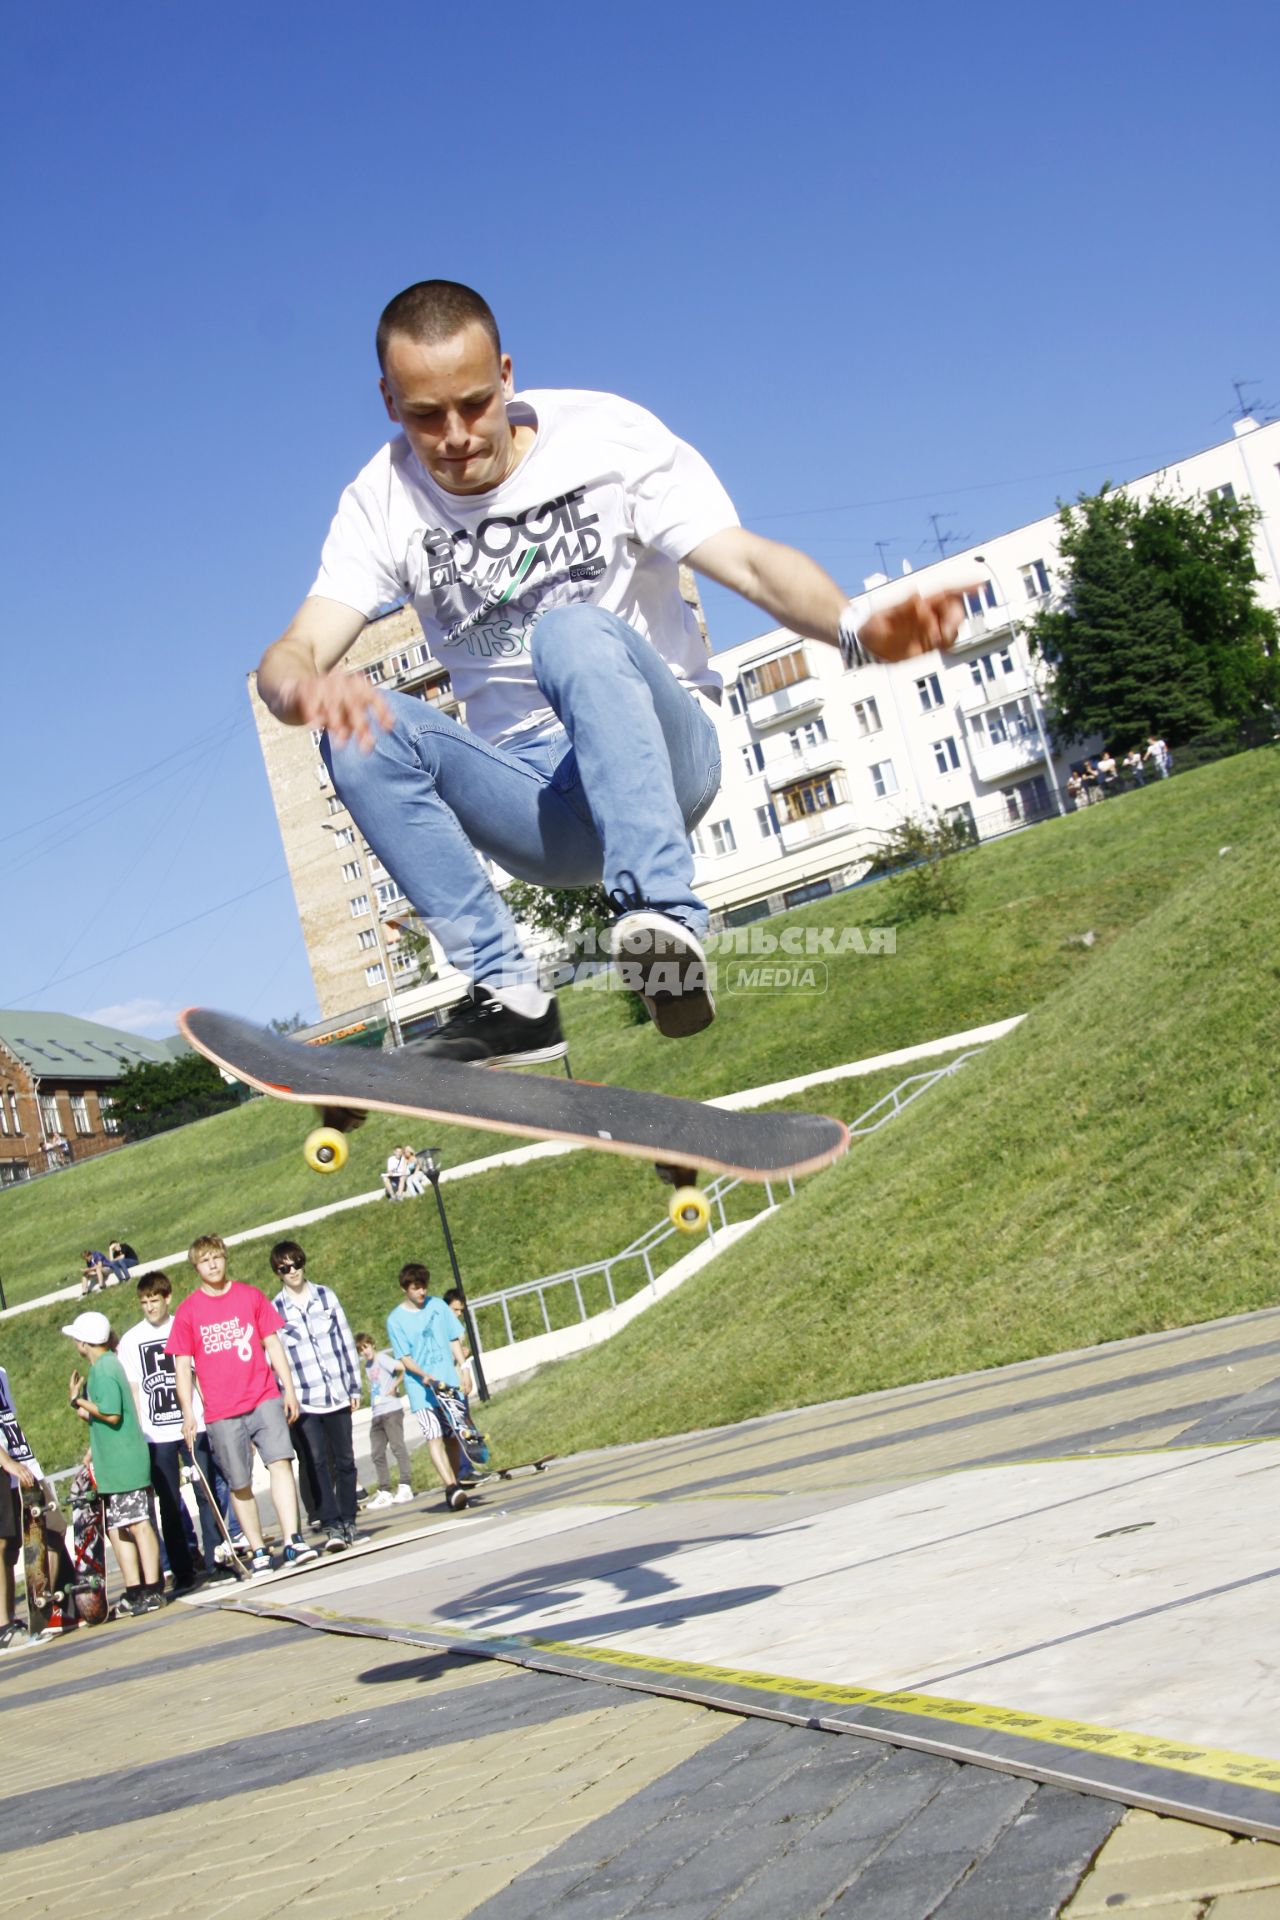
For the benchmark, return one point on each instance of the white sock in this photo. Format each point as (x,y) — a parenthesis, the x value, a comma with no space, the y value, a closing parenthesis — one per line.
(526,999)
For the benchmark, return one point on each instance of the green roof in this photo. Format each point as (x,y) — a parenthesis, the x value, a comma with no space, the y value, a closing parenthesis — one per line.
(75,1049)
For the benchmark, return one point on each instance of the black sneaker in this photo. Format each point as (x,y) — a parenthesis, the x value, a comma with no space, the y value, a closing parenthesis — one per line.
(661,960)
(481,1031)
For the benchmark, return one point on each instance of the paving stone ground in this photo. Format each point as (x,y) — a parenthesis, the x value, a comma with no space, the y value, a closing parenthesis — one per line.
(208,1763)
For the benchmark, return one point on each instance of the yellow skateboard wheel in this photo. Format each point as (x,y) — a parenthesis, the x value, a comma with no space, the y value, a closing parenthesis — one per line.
(325,1150)
(688,1210)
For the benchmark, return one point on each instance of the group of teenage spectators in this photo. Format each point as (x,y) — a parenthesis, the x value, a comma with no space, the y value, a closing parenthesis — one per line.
(195,1393)
(1096,779)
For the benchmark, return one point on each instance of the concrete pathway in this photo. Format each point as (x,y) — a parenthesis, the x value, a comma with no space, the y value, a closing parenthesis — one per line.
(919,1654)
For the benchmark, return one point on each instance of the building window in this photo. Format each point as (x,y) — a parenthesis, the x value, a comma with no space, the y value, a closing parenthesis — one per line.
(946,756)
(375,865)
(1035,578)
(722,838)
(811,796)
(930,691)
(773,675)
(80,1114)
(404,962)
(962,814)
(344,836)
(14,1113)
(856,653)
(359,905)
(373,674)
(351,870)
(335,805)
(812,734)
(322,773)
(867,715)
(367,938)
(49,1115)
(107,1108)
(985,668)
(387,892)
(401,662)
(375,975)
(4,1119)
(884,779)
(1225,492)
(317,735)
(753,757)
(735,703)
(767,821)
(980,599)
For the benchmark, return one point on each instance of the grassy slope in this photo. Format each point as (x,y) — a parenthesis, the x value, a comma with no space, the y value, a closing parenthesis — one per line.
(1103,870)
(1107,1170)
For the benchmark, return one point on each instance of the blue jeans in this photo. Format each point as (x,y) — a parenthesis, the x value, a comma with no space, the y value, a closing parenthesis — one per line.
(612,795)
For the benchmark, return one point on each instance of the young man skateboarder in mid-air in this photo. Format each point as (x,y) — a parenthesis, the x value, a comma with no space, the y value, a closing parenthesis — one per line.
(539,536)
(225,1338)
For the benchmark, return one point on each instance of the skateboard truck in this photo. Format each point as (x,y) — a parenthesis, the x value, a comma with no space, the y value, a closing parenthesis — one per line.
(687,1208)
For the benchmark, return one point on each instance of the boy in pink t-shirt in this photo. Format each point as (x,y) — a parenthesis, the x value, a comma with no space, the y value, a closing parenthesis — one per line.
(226,1338)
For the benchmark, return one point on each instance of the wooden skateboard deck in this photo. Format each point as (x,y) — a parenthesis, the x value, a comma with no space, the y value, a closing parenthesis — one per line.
(646,1126)
(35,1562)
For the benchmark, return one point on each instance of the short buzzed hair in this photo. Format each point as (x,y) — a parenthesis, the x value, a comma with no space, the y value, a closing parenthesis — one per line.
(434,310)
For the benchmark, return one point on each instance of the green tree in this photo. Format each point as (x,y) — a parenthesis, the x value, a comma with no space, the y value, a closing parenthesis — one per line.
(927,882)
(151,1099)
(1159,628)
(576,915)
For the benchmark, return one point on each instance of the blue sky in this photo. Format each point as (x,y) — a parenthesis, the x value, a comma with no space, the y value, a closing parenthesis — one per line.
(874,264)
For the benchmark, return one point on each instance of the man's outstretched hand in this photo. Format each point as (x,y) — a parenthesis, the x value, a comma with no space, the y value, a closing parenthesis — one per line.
(344,704)
(919,624)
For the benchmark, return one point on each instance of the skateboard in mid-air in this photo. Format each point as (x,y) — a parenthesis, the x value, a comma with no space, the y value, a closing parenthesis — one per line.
(681,1137)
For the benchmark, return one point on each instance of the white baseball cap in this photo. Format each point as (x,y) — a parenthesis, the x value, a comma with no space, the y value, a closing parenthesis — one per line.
(93,1328)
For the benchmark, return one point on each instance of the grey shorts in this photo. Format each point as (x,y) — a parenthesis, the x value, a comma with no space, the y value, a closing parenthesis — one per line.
(234,1440)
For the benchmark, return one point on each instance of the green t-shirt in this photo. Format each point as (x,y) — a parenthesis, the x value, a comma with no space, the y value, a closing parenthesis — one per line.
(121,1461)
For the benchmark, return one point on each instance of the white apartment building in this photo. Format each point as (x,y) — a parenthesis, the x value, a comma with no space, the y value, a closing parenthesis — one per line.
(819,760)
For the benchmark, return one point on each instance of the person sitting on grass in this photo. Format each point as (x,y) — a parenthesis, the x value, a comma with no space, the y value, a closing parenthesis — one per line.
(427,1338)
(121,1462)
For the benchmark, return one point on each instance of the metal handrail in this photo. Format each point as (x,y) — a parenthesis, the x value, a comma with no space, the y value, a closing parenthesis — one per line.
(716,1193)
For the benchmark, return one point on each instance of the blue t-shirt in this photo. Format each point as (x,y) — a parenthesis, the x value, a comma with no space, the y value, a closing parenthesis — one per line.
(425,1337)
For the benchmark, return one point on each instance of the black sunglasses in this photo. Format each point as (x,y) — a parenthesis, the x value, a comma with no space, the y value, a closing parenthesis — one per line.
(290,1266)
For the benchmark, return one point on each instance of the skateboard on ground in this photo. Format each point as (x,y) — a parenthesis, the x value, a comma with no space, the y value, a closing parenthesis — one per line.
(522,1466)
(86,1590)
(239,1567)
(679,1136)
(41,1599)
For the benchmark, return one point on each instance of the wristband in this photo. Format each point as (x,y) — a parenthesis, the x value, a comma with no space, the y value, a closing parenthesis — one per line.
(852,651)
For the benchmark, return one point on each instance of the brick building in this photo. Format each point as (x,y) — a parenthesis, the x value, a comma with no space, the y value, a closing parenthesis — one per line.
(56,1077)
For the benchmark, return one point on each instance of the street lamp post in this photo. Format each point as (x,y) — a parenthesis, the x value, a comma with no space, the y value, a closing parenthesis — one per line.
(431,1163)
(982,561)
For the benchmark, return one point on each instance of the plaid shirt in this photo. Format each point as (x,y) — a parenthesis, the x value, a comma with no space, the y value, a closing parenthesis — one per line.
(321,1350)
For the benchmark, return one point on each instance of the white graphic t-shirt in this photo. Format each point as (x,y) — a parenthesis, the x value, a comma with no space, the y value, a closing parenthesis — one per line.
(602,509)
(141,1352)
(12,1438)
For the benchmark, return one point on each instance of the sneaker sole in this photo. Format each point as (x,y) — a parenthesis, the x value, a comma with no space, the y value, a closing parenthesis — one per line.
(532,1057)
(676,1014)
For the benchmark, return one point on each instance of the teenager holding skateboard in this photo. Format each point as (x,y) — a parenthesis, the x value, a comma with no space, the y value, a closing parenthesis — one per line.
(539,537)
(225,1339)
(103,1399)
(426,1337)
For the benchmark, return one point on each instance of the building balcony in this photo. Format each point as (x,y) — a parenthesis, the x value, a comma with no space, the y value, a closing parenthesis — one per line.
(797,834)
(799,701)
(422,673)
(996,760)
(790,768)
(994,693)
(982,629)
